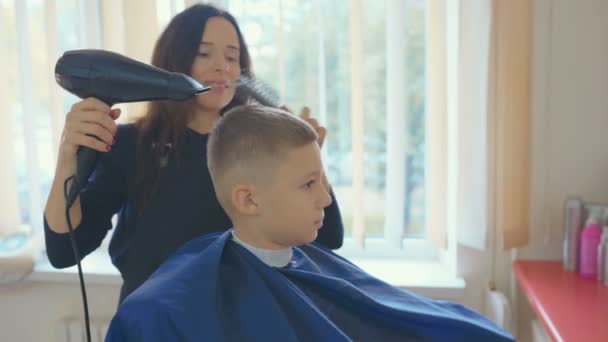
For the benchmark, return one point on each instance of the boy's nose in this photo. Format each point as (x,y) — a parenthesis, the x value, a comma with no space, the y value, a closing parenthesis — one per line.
(325,198)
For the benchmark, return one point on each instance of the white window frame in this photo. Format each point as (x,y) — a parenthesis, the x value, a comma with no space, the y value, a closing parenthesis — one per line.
(393,244)
(410,249)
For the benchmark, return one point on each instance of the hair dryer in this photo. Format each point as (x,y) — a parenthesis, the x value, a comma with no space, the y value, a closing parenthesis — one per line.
(114,78)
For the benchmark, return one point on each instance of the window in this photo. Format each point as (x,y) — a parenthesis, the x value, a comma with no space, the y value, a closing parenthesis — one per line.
(31,35)
(166,9)
(360,65)
(322,53)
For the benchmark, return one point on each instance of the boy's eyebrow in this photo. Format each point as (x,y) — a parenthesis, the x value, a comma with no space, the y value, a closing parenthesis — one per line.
(314,173)
(229,46)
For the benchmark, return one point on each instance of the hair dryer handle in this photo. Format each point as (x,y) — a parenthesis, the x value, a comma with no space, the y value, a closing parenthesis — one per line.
(86,158)
(85,163)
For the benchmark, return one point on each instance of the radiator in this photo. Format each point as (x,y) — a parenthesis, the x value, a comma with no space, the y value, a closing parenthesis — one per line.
(73,330)
(497,309)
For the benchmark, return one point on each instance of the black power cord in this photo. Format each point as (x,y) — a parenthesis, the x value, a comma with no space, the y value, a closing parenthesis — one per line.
(70,198)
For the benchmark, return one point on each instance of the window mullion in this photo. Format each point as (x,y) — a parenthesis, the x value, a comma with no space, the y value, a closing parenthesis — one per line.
(89,24)
(28,105)
(357,131)
(9,211)
(281,45)
(322,77)
(55,92)
(436,163)
(397,132)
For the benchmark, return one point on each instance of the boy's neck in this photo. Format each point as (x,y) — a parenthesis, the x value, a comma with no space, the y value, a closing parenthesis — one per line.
(249,236)
(271,257)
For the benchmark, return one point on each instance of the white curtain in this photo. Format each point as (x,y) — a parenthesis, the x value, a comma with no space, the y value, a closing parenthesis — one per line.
(478,122)
(473,202)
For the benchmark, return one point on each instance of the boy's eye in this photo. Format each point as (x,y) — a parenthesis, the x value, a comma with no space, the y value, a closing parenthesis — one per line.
(309,184)
(231,59)
(203,54)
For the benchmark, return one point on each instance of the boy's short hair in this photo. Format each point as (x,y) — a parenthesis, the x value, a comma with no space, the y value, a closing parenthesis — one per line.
(247,144)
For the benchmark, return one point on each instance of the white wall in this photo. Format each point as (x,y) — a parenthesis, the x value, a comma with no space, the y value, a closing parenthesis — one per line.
(570,111)
(32,311)
(570,119)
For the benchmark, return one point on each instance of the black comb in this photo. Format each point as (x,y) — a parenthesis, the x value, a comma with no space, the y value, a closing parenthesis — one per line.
(257,90)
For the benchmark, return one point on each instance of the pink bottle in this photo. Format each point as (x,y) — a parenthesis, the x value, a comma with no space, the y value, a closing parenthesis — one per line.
(590,240)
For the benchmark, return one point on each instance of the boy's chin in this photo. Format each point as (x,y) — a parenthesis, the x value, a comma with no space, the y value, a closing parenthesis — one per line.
(312,237)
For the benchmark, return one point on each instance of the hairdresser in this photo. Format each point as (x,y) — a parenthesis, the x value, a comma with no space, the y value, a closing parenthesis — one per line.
(153,173)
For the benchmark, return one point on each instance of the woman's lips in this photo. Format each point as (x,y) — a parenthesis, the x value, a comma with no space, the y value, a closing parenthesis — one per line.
(217,83)
(217,86)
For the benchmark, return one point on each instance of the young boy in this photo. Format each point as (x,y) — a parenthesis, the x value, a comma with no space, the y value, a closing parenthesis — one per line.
(264,280)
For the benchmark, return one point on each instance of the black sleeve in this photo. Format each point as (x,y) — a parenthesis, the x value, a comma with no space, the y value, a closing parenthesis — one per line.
(331,235)
(99,201)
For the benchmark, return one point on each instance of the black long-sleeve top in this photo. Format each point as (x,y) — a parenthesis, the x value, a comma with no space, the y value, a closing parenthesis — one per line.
(185,207)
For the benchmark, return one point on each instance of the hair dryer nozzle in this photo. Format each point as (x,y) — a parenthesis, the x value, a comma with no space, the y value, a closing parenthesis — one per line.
(182,87)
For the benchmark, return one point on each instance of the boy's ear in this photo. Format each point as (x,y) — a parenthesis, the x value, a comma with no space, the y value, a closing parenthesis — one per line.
(244,199)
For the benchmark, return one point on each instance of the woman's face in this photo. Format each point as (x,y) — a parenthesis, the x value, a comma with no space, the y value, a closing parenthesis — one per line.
(217,64)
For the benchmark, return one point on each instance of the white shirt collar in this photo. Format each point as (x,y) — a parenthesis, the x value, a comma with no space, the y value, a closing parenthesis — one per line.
(271,257)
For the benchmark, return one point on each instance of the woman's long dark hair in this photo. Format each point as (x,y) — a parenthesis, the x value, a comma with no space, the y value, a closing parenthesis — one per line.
(165,121)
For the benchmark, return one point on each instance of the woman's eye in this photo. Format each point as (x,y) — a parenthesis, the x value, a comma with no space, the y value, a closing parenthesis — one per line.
(231,59)
(309,184)
(203,54)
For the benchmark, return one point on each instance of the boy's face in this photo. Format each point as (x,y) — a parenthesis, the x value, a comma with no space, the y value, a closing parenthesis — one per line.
(291,206)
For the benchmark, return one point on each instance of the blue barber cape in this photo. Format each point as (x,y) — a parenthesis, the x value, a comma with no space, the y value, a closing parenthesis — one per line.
(213,289)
